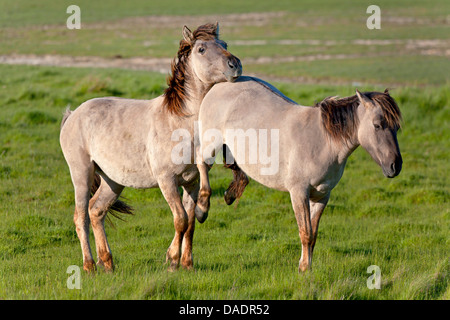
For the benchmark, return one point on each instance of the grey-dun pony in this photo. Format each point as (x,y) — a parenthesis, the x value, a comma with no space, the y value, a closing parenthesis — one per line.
(127,143)
(313,143)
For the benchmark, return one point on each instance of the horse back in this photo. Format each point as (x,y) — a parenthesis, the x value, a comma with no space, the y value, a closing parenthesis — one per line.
(114,133)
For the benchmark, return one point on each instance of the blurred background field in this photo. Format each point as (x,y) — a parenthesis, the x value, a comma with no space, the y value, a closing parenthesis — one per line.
(309,50)
(289,40)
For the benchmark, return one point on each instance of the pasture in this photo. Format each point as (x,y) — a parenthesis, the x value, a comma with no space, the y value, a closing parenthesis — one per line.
(309,50)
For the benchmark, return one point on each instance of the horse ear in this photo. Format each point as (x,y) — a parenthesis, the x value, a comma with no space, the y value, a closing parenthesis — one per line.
(363,98)
(386,91)
(187,34)
(217,29)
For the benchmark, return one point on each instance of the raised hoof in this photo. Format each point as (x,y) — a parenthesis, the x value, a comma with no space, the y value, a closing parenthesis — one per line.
(229,198)
(200,214)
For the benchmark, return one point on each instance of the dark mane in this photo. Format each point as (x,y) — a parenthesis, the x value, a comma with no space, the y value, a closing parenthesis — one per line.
(175,94)
(339,115)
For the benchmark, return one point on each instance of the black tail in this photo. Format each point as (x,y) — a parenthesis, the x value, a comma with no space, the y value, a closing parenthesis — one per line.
(240,180)
(118,208)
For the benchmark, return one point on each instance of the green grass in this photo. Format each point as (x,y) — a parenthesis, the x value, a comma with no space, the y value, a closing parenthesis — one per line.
(246,252)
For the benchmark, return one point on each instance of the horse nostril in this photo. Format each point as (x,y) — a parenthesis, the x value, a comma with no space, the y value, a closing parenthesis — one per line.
(230,64)
(393,167)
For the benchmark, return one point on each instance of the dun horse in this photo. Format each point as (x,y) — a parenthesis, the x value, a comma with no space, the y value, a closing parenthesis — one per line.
(111,143)
(313,143)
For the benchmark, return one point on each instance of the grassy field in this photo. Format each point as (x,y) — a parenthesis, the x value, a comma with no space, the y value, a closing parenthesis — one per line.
(248,251)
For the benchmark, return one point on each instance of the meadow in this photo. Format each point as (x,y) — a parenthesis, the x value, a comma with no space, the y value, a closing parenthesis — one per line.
(249,250)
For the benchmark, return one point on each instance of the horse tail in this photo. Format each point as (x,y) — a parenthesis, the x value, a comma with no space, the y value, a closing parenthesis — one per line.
(240,180)
(66,115)
(118,208)
(237,186)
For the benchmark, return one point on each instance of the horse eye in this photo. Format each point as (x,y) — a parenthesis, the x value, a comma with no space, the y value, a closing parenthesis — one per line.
(201,50)
(377,126)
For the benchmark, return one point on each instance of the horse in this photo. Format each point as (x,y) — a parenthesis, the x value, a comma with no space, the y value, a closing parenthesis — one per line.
(312,143)
(111,143)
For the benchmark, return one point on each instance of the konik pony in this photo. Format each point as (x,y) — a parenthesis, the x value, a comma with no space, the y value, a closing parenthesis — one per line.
(111,143)
(313,143)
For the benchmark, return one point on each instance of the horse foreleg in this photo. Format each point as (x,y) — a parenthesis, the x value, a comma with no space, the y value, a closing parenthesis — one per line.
(169,190)
(190,195)
(316,208)
(204,194)
(300,204)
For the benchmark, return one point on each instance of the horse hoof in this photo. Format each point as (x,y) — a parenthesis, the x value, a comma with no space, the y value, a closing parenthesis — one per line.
(304,267)
(188,266)
(229,199)
(89,266)
(173,266)
(200,214)
(172,261)
(107,267)
(106,262)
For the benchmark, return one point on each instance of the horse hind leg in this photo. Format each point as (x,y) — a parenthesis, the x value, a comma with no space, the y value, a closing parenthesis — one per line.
(201,208)
(190,195)
(82,175)
(101,202)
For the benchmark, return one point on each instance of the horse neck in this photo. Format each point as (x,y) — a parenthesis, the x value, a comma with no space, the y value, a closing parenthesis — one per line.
(195,92)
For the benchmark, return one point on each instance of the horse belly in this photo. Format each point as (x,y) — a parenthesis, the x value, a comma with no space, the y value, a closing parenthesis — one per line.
(124,162)
(134,174)
(272,180)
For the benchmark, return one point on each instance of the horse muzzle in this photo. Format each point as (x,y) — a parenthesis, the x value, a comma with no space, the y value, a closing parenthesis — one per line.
(234,70)
(392,169)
